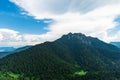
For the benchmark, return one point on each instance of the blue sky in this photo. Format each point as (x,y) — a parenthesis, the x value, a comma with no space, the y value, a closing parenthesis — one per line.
(30,22)
(11,18)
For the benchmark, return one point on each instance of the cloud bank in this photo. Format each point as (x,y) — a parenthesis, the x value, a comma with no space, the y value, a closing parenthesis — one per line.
(91,17)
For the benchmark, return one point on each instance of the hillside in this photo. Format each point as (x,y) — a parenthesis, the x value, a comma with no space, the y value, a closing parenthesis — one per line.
(71,57)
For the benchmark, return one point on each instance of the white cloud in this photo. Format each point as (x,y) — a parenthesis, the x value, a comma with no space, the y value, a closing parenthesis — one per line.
(53,8)
(95,23)
(10,37)
(14,38)
(92,17)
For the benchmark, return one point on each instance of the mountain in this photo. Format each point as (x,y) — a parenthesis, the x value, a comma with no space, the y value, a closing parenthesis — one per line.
(72,57)
(7,49)
(21,49)
(116,44)
(4,51)
(3,54)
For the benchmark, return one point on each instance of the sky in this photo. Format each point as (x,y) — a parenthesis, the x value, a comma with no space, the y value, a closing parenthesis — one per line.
(30,22)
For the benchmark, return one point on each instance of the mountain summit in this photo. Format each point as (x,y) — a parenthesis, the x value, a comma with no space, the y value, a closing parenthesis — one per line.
(79,36)
(88,40)
(72,57)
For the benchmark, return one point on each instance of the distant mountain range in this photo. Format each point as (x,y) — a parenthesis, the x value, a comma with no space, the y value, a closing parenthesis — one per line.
(72,57)
(4,51)
(7,49)
(116,44)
